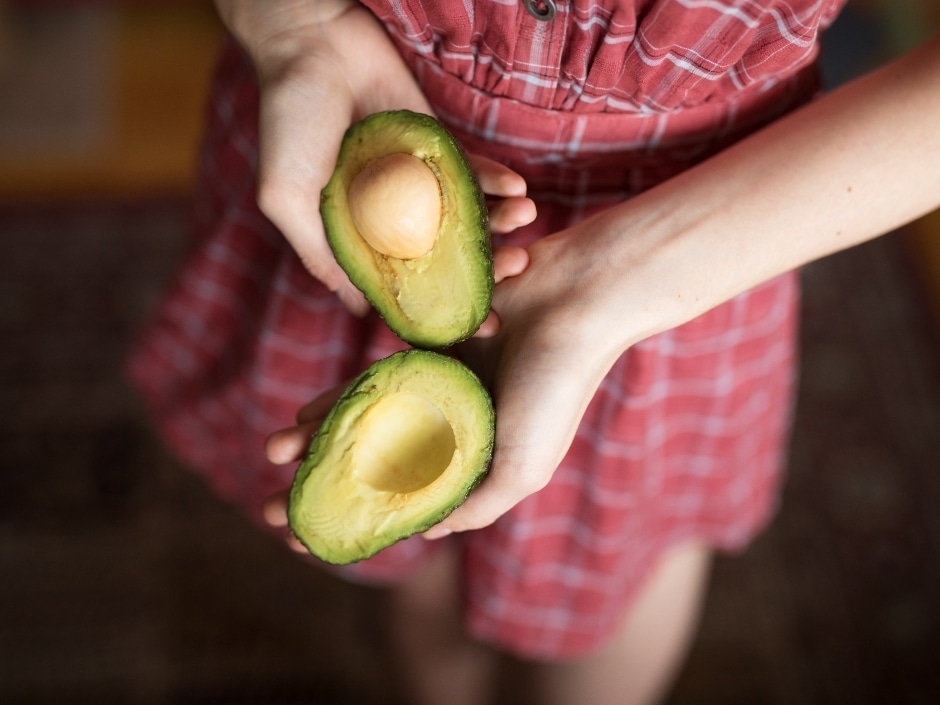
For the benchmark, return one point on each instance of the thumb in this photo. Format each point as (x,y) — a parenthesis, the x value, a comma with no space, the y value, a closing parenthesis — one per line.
(295,212)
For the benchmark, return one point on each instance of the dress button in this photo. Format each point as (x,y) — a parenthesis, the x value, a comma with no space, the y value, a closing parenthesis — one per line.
(541,9)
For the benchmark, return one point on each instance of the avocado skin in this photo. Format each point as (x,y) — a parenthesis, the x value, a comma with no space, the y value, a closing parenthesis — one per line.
(370,139)
(369,384)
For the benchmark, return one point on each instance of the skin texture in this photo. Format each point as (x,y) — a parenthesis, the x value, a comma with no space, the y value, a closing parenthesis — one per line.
(856,164)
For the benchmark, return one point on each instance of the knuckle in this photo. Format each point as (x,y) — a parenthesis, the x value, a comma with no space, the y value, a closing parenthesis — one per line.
(275,196)
(530,482)
(526,479)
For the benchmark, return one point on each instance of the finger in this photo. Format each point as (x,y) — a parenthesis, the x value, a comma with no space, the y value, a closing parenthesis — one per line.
(540,400)
(274,509)
(316,410)
(293,167)
(485,505)
(511,213)
(294,544)
(274,512)
(436,532)
(289,444)
(489,327)
(353,299)
(286,205)
(497,179)
(509,262)
(511,479)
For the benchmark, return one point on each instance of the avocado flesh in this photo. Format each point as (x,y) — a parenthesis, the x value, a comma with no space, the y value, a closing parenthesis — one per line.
(401,449)
(439,298)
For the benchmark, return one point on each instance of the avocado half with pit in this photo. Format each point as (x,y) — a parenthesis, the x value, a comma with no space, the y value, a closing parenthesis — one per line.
(399,451)
(407,221)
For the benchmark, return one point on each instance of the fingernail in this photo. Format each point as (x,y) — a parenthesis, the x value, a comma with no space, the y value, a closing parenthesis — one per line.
(274,515)
(352,299)
(294,544)
(438,532)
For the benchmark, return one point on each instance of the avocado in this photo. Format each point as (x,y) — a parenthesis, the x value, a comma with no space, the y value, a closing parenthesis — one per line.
(402,447)
(434,293)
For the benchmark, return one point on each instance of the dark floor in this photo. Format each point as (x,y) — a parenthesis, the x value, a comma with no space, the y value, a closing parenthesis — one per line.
(124,581)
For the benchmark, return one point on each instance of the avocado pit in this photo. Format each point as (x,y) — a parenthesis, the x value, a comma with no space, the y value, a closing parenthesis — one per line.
(395,204)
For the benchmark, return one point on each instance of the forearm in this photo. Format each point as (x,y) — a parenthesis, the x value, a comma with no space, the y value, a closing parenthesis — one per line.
(853,165)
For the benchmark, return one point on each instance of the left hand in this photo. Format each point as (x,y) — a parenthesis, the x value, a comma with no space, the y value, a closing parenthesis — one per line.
(543,367)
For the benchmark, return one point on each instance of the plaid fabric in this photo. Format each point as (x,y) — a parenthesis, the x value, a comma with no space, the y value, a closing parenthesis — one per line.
(685,437)
(636,57)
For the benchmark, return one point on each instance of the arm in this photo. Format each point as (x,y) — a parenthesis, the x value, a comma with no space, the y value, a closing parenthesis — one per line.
(853,165)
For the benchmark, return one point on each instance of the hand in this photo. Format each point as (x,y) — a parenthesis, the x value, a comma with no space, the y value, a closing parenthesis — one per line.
(543,364)
(289,445)
(321,67)
(543,367)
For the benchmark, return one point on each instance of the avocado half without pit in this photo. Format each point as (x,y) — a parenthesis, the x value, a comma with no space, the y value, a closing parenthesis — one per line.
(407,221)
(399,451)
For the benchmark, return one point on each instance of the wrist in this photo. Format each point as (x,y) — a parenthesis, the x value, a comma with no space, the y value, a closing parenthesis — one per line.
(274,32)
(643,275)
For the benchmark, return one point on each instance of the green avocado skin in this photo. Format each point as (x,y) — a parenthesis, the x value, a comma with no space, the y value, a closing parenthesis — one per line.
(308,496)
(455,281)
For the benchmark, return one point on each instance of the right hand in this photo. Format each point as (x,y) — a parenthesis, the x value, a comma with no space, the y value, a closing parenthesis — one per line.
(321,67)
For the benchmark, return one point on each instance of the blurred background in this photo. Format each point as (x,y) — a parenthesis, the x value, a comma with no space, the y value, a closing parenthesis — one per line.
(122,580)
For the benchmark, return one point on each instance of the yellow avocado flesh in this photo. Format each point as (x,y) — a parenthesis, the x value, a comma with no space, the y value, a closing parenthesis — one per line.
(400,449)
(405,444)
(378,463)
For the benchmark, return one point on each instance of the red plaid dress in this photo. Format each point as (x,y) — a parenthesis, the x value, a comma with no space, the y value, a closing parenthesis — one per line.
(684,439)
